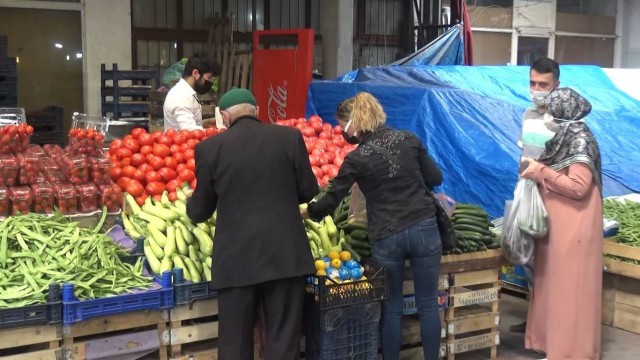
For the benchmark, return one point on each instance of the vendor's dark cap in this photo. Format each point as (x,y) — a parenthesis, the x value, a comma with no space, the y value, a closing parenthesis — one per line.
(235,97)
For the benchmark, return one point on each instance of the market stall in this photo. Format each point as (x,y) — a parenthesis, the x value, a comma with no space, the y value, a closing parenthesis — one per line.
(97,252)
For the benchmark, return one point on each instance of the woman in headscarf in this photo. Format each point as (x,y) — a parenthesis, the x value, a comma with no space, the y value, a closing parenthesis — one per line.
(565,309)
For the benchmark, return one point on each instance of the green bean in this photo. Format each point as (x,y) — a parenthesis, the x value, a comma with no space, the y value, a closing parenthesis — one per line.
(36,251)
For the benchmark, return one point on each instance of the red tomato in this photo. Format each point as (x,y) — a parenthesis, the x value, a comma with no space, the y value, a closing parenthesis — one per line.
(171,162)
(132,144)
(156,162)
(153,176)
(166,140)
(125,162)
(184,147)
(134,188)
(161,150)
(327,127)
(155,188)
(114,146)
(314,159)
(193,184)
(186,134)
(146,149)
(191,164)
(113,158)
(192,143)
(168,174)
(173,185)
(137,159)
(141,199)
(123,153)
(115,173)
(337,129)
(145,168)
(308,131)
(315,117)
(198,134)
(317,171)
(129,171)
(181,167)
(323,159)
(179,139)
(326,168)
(171,133)
(310,146)
(175,148)
(186,175)
(325,135)
(127,137)
(333,171)
(123,182)
(139,175)
(156,135)
(146,139)
(330,156)
(179,158)
(173,196)
(137,132)
(316,126)
(157,197)
(189,154)
(338,161)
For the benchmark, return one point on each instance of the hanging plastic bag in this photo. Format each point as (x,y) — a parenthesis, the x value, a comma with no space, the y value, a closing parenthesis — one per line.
(357,207)
(532,215)
(173,74)
(447,203)
(517,245)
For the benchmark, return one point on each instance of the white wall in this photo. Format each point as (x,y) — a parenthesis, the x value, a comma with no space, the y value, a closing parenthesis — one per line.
(106,39)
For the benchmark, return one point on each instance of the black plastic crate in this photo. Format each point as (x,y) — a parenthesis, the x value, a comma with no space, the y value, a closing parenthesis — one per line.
(331,294)
(188,292)
(344,333)
(50,313)
(8,66)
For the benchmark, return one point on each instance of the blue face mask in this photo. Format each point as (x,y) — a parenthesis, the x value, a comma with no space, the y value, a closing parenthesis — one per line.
(351,139)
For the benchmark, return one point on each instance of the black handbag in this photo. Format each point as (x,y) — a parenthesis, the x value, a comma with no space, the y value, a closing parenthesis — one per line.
(445,227)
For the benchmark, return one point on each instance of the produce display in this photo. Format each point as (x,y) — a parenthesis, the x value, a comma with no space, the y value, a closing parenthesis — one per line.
(36,250)
(473,229)
(325,145)
(340,267)
(15,138)
(146,164)
(627,214)
(171,240)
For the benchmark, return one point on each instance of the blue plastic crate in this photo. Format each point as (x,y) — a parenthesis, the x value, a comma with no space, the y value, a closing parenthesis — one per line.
(187,292)
(75,310)
(49,313)
(342,333)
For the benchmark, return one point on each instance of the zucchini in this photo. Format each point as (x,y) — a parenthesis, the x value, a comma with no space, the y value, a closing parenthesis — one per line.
(359,234)
(341,217)
(472,212)
(358,243)
(468,221)
(358,226)
(472,228)
(468,206)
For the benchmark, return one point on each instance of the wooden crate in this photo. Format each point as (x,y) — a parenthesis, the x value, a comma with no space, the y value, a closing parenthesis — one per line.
(472,316)
(621,302)
(117,336)
(479,260)
(613,248)
(193,329)
(41,342)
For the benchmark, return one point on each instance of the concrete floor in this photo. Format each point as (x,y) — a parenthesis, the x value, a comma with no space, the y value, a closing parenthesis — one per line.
(616,344)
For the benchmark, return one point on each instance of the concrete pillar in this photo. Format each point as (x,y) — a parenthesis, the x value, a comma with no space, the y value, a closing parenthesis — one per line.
(106,39)
(337,37)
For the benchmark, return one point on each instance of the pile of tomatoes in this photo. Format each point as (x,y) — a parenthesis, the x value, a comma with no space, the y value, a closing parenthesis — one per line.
(325,145)
(146,164)
(15,138)
(85,142)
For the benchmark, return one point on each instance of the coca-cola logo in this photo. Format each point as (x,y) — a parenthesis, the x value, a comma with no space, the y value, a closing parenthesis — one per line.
(277,104)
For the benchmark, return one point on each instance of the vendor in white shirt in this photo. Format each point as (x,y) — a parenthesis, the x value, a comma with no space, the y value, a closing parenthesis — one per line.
(182,109)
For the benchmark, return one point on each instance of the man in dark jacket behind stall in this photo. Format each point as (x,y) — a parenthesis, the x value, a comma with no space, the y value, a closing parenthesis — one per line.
(255,175)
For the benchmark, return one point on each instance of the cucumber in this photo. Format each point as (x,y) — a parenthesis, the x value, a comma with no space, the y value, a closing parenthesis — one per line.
(341,217)
(358,243)
(468,221)
(354,253)
(358,226)
(358,234)
(493,246)
(472,212)
(473,228)
(468,206)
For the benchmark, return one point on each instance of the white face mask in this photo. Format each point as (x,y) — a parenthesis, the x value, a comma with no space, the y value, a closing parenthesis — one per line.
(553,124)
(539,96)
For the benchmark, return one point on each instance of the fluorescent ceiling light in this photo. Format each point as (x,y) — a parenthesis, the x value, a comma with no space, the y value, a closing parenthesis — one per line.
(67,57)
(58,45)
(78,55)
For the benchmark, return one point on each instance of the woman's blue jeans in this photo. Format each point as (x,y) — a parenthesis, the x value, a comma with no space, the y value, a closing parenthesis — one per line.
(421,245)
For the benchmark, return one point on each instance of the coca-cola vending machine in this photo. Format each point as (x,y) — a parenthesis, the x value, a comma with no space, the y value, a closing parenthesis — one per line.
(282,70)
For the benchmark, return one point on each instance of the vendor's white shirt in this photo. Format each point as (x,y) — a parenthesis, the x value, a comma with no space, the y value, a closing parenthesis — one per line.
(182,111)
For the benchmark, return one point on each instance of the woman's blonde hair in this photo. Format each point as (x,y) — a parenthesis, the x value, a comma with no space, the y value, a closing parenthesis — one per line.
(364,110)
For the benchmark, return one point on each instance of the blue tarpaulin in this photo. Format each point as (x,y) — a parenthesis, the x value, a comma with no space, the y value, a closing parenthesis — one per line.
(470,117)
(447,49)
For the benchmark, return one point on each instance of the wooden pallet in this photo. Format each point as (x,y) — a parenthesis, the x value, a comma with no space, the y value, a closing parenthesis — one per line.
(472,317)
(613,248)
(621,302)
(41,342)
(117,336)
(193,326)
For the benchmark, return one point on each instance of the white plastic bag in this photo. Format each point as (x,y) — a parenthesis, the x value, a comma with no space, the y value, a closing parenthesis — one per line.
(517,245)
(357,206)
(532,215)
